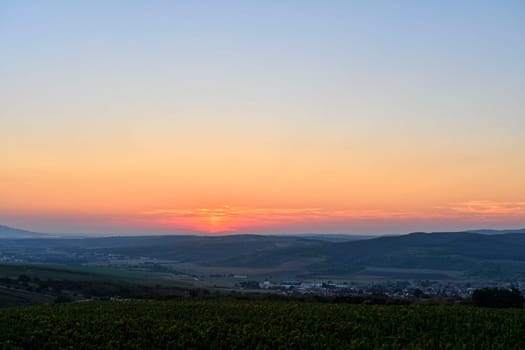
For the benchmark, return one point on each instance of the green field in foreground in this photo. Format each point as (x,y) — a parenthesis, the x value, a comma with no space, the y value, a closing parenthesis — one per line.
(243,324)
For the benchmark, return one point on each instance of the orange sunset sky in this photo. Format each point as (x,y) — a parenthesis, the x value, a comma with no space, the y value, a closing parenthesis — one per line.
(273,117)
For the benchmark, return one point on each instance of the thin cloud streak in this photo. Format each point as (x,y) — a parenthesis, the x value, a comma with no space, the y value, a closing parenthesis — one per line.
(471,214)
(233,219)
(491,208)
(227,219)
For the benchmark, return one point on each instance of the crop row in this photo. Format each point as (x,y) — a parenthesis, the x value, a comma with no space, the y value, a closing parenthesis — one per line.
(240,324)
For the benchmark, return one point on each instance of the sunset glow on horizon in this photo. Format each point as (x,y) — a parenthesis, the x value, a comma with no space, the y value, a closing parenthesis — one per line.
(276,117)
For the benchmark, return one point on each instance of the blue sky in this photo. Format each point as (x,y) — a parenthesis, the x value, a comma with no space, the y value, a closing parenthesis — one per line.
(115,108)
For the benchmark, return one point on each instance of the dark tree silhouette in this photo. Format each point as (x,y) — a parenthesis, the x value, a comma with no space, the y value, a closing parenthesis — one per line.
(495,297)
(418,293)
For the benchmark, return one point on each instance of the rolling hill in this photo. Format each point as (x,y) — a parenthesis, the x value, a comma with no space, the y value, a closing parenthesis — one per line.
(441,255)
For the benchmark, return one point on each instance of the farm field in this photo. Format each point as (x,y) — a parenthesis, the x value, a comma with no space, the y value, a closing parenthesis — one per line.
(78,273)
(262,324)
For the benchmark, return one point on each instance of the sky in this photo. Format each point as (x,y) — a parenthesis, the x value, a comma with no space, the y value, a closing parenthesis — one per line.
(362,117)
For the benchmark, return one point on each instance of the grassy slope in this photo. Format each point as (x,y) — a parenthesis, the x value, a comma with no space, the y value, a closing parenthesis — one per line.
(48,282)
(84,273)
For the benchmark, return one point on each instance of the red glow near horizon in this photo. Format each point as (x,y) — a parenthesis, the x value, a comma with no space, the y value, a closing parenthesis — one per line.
(231,219)
(226,219)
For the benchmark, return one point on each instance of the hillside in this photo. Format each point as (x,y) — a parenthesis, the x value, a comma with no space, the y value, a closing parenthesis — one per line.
(473,255)
(441,255)
(497,232)
(417,255)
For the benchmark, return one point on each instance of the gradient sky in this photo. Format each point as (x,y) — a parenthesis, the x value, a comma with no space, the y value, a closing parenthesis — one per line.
(262,116)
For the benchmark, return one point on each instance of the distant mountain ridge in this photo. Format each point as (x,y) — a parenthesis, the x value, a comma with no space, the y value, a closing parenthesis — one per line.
(14,233)
(11,232)
(496,232)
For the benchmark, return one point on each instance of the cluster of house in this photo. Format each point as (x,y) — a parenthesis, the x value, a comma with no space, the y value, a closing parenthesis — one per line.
(392,289)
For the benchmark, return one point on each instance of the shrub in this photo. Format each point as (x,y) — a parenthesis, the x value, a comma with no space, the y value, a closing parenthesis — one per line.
(495,297)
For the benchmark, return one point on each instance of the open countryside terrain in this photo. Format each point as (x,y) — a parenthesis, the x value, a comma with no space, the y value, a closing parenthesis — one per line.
(182,292)
(24,284)
(437,265)
(243,324)
(437,256)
